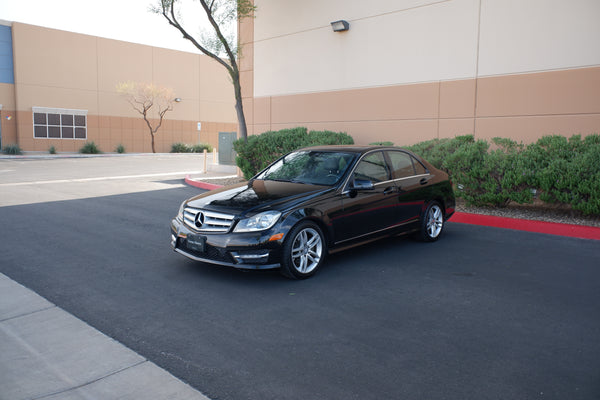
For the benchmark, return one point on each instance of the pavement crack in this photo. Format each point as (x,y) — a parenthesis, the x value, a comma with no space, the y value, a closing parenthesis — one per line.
(90,382)
(28,314)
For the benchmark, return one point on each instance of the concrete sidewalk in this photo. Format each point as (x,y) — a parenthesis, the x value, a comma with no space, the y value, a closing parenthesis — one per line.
(46,353)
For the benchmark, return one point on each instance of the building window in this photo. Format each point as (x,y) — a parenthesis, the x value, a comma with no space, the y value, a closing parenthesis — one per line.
(59,123)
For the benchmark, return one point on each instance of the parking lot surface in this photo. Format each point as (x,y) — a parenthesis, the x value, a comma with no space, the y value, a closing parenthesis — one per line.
(484,313)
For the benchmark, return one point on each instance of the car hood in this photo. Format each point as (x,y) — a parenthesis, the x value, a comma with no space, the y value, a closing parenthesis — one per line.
(256,196)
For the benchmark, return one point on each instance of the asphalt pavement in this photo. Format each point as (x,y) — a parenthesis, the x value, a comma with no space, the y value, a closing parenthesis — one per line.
(47,353)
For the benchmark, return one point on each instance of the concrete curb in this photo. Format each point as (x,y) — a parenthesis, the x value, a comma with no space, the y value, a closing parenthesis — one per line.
(550,228)
(200,184)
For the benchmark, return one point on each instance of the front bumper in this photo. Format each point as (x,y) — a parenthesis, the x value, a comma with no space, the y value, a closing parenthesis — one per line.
(251,250)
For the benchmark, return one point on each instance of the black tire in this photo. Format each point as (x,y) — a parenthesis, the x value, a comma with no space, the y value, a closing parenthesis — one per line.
(432,223)
(304,251)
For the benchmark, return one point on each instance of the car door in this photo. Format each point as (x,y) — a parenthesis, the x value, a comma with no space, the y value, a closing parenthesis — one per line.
(366,211)
(412,180)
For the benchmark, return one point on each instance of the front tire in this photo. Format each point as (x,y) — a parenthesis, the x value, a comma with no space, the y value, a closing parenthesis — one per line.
(432,223)
(304,251)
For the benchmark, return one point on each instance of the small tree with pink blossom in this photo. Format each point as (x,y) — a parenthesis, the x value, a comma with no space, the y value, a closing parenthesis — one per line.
(150,100)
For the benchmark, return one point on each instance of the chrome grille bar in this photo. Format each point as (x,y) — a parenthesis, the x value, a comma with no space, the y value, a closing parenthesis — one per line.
(209,221)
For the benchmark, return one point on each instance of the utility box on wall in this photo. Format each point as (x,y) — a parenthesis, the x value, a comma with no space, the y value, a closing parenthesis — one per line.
(226,153)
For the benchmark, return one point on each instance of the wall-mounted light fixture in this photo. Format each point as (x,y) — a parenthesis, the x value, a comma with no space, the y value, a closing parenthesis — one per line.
(177,99)
(340,26)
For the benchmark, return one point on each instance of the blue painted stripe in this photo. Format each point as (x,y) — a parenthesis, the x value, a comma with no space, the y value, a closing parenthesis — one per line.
(7,74)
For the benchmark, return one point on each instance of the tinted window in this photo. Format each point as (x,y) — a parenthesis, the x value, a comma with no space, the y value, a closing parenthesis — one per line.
(80,120)
(80,133)
(419,168)
(402,164)
(314,167)
(53,119)
(59,123)
(67,119)
(372,168)
(54,131)
(67,132)
(40,131)
(39,118)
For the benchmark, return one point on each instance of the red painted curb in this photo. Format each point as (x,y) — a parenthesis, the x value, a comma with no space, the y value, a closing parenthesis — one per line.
(201,185)
(551,228)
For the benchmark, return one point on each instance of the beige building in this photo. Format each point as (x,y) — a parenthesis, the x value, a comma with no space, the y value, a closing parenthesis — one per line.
(411,70)
(59,89)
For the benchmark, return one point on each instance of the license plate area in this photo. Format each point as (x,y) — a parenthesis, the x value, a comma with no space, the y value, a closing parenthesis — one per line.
(196,242)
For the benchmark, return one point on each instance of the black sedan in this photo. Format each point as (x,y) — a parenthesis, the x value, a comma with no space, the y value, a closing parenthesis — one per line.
(312,202)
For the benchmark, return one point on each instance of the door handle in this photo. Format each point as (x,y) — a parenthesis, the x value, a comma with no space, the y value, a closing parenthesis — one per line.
(389,189)
(423,181)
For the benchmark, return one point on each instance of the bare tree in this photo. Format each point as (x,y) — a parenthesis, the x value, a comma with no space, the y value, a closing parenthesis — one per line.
(217,44)
(148,99)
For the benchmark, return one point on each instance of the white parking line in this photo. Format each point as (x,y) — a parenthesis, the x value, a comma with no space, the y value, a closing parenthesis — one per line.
(103,178)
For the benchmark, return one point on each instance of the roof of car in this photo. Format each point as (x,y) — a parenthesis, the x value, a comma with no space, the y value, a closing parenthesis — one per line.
(350,148)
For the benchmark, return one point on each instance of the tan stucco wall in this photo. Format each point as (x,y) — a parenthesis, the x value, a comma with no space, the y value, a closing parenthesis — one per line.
(412,70)
(58,69)
(523,107)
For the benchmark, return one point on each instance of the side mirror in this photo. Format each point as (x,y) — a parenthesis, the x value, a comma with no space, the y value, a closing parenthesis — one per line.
(362,184)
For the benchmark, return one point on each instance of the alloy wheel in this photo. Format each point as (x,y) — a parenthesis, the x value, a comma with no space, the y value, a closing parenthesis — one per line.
(307,250)
(435,221)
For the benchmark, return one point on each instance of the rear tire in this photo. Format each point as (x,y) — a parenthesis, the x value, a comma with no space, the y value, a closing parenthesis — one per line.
(432,223)
(304,251)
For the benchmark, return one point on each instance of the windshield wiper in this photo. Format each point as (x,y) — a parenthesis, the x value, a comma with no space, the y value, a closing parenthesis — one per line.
(277,179)
(285,180)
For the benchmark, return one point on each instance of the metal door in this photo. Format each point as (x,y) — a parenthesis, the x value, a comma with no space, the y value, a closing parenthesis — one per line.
(226,153)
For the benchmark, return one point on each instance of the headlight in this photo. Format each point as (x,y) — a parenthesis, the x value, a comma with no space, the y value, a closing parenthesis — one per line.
(259,222)
(180,213)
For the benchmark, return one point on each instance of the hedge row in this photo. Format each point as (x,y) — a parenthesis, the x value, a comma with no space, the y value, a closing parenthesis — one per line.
(559,170)
(259,151)
(190,148)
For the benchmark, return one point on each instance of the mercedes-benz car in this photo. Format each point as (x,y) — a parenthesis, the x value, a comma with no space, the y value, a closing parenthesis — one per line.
(312,202)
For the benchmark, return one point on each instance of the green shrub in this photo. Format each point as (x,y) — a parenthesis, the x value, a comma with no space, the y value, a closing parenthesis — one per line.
(561,170)
(186,148)
(12,149)
(437,150)
(120,149)
(258,151)
(179,148)
(199,148)
(568,171)
(90,148)
(328,138)
(52,150)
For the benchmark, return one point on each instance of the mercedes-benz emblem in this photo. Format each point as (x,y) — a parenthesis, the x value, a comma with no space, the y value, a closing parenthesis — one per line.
(199,220)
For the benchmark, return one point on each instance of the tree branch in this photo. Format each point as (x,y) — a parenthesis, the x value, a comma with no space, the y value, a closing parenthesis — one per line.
(172,19)
(211,19)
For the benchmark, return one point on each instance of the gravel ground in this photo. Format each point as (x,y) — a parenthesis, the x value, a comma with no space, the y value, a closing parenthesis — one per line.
(537,211)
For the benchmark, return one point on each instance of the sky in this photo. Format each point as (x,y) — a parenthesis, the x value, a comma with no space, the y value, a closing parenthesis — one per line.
(127,20)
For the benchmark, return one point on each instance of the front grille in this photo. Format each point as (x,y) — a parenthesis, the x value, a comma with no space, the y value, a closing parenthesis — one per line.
(207,221)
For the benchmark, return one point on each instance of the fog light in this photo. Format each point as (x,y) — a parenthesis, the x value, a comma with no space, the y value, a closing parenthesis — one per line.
(251,256)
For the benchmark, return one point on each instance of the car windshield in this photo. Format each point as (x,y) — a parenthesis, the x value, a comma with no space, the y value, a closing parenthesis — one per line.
(311,167)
